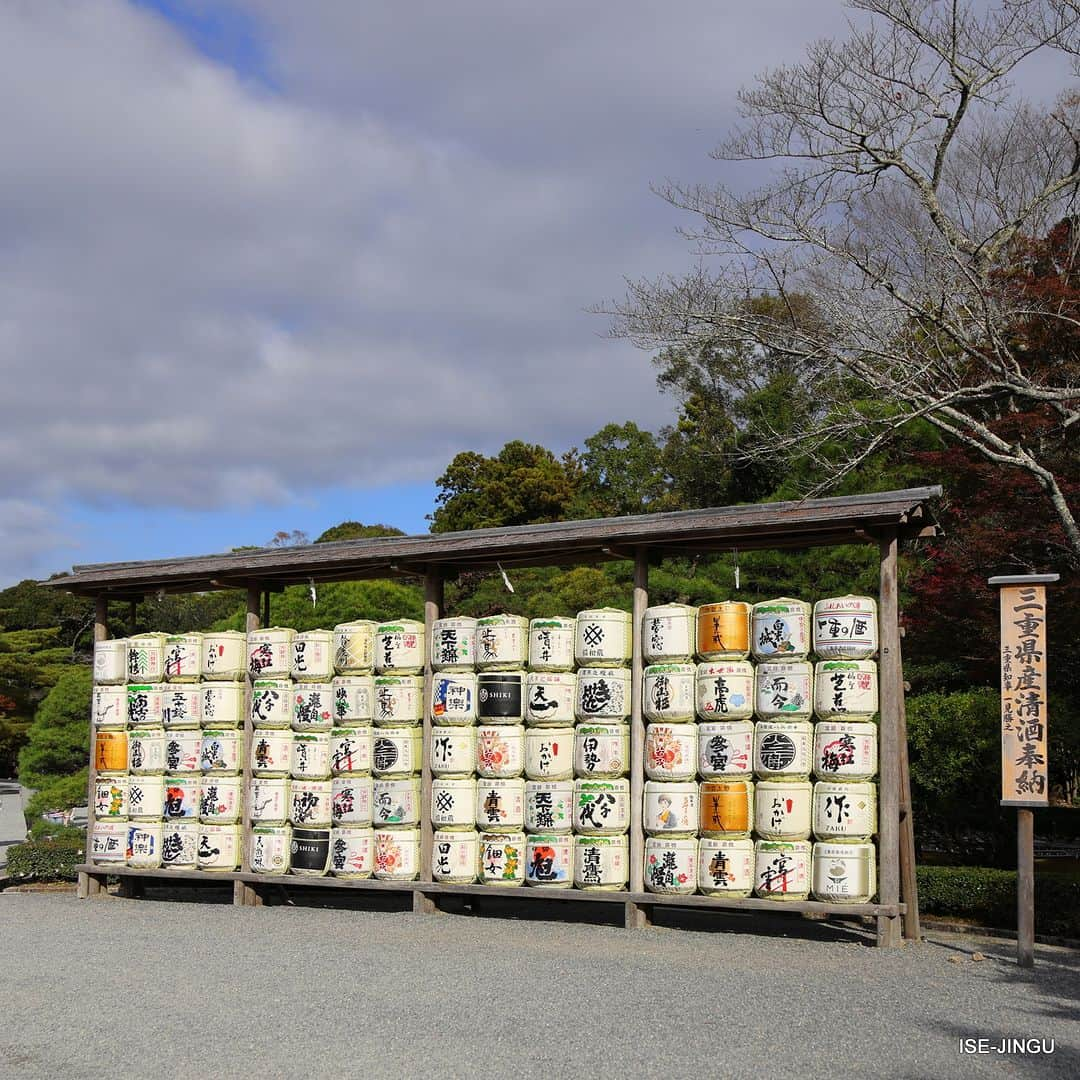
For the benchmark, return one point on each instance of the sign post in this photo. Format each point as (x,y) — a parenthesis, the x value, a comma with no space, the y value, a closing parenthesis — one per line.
(1024,767)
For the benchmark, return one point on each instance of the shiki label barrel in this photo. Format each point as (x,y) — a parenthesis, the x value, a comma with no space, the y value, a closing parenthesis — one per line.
(309,852)
(668,694)
(313,656)
(500,750)
(782,809)
(551,644)
(146,704)
(501,642)
(183,752)
(671,864)
(271,703)
(502,858)
(845,750)
(312,707)
(354,700)
(395,751)
(221,751)
(222,704)
(146,798)
(110,662)
(397,854)
(455,856)
(181,706)
(354,647)
(549,860)
(351,798)
(109,706)
(453,803)
(219,847)
(224,656)
(311,803)
(669,634)
(352,852)
(603,695)
(500,805)
(181,798)
(399,700)
(146,751)
(725,690)
(727,808)
(220,799)
(601,862)
(783,747)
(845,688)
(844,873)
(271,752)
(146,658)
(399,647)
(603,638)
(845,812)
(845,628)
(183,657)
(269,652)
(268,801)
(500,697)
(310,755)
(453,751)
(671,751)
(601,750)
(179,845)
(111,798)
(548,805)
(108,842)
(782,869)
(601,807)
(723,631)
(784,691)
(453,698)
(549,753)
(549,698)
(726,867)
(670,808)
(453,644)
(725,748)
(350,751)
(143,845)
(780,629)
(270,849)
(395,803)
(111,752)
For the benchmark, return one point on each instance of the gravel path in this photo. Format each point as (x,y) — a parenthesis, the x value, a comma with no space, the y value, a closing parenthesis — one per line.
(150,987)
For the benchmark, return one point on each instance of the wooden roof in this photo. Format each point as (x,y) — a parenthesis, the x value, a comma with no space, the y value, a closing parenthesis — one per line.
(811,522)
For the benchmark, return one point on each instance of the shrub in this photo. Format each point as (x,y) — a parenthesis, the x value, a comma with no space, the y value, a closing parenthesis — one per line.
(46,860)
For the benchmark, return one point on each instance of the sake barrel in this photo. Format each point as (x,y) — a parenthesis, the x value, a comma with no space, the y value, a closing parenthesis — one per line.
(146,751)
(352,852)
(354,647)
(603,638)
(399,699)
(311,803)
(845,750)
(549,860)
(219,847)
(268,801)
(500,697)
(453,644)
(350,800)
(221,751)
(310,755)
(144,845)
(453,697)
(671,864)
(725,748)
(601,807)
(548,805)
(601,750)
(669,634)
(183,752)
(181,705)
(183,657)
(397,854)
(785,691)
(549,698)
(500,750)
(845,628)
(270,849)
(313,656)
(500,804)
(312,707)
(782,869)
(845,812)
(783,748)
(181,798)
(671,751)
(222,704)
(111,752)
(146,658)
(551,644)
(453,751)
(601,863)
(179,844)
(395,751)
(111,798)
(108,842)
(271,703)
(502,858)
(549,753)
(669,693)
(844,873)
(725,690)
(723,631)
(109,706)
(354,700)
(453,803)
(395,802)
(220,799)
(110,662)
(726,867)
(269,652)
(224,656)
(670,808)
(350,751)
(146,704)
(727,808)
(309,852)
(603,695)
(271,752)
(782,809)
(845,688)
(502,642)
(146,798)
(399,647)
(780,629)
(455,856)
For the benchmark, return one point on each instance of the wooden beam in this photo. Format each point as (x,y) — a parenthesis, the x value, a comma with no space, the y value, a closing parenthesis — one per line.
(637,915)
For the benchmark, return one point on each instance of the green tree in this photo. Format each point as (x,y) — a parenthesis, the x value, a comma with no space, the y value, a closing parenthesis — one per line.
(59,742)
(355,530)
(622,473)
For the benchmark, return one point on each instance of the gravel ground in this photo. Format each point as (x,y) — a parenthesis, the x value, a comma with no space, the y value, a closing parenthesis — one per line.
(131,988)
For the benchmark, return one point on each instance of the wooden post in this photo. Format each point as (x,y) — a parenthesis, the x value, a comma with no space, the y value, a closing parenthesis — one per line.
(266,609)
(424,903)
(93,884)
(637,915)
(243,894)
(909,885)
(1025,888)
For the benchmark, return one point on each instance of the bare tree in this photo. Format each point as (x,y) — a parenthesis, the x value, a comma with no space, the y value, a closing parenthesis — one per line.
(908,180)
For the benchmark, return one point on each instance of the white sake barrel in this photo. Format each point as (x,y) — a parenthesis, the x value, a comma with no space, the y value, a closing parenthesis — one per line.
(453,644)
(549,805)
(310,755)
(502,642)
(309,852)
(782,869)
(726,867)
(549,698)
(551,644)
(354,647)
(221,751)
(146,704)
(179,844)
(601,750)
(146,798)
(845,750)
(671,751)
(670,808)
(671,864)
(500,750)
(500,697)
(725,690)
(313,656)
(350,751)
(219,847)
(784,691)
(222,704)
(783,748)
(669,634)
(111,752)
(110,662)
(549,753)
(108,842)
(270,849)
(144,845)
(271,752)
(502,858)
(601,807)
(603,695)
(183,752)
(399,699)
(269,652)
(453,803)
(397,854)
(453,697)
(395,751)
(146,658)
(352,852)
(350,800)
(453,751)
(844,812)
(220,799)
(845,689)
(723,631)
(312,707)
(782,809)
(601,863)
(603,638)
(311,803)
(271,703)
(844,873)
(354,700)
(780,629)
(455,856)
(181,798)
(549,860)
(183,657)
(500,804)
(725,748)
(845,628)
(111,798)
(110,706)
(395,803)
(146,751)
(399,647)
(268,800)
(669,693)
(727,808)
(224,656)
(181,706)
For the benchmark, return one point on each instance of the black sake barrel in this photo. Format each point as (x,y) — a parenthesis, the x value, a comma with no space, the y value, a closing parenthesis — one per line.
(500,698)
(310,852)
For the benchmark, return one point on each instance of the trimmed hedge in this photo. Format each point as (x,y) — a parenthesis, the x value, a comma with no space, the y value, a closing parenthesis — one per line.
(46,860)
